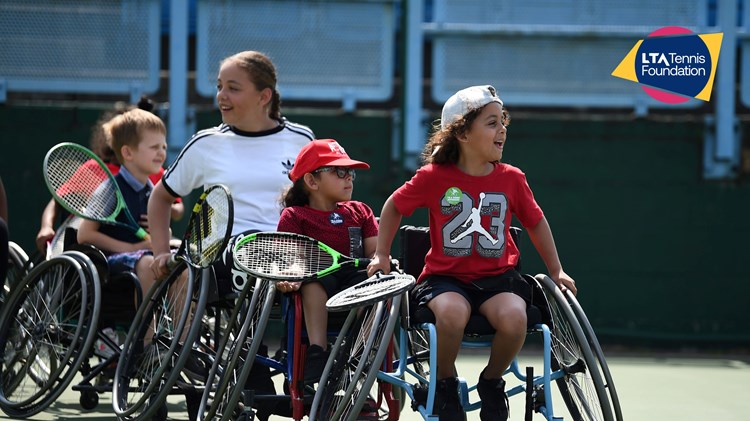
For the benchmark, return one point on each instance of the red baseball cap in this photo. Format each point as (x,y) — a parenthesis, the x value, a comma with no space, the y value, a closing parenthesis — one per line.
(322,153)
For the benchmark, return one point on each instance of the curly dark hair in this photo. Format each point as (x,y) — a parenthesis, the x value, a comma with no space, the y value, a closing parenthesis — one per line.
(442,146)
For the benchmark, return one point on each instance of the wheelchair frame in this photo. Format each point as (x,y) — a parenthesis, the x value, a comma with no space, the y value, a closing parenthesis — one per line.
(581,375)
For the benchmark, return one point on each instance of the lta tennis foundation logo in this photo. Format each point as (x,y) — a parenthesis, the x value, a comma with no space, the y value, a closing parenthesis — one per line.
(673,64)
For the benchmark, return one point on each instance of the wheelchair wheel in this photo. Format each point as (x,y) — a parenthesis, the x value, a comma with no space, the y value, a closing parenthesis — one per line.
(146,373)
(46,331)
(355,360)
(594,344)
(581,386)
(236,352)
(18,267)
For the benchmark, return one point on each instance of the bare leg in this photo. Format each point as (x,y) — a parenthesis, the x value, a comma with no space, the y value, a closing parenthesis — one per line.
(452,313)
(314,299)
(506,312)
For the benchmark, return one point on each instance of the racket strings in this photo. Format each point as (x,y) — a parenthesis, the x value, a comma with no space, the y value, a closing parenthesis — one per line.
(209,229)
(81,183)
(284,256)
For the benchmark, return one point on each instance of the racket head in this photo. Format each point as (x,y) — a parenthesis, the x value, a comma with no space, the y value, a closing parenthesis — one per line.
(81,183)
(283,256)
(209,228)
(376,288)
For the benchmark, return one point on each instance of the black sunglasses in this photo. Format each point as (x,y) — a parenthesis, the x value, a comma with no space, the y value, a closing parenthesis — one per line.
(341,172)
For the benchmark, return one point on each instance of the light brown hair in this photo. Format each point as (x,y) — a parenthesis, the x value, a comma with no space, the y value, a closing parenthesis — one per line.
(262,73)
(127,129)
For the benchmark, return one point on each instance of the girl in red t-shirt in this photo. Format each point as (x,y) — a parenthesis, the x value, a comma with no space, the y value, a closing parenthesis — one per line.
(319,205)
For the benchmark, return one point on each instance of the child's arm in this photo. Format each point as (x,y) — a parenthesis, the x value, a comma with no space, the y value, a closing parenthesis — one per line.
(369,245)
(159,205)
(47,228)
(177,211)
(88,233)
(541,236)
(390,219)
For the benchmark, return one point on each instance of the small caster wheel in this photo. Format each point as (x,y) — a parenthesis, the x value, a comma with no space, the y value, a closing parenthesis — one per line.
(89,400)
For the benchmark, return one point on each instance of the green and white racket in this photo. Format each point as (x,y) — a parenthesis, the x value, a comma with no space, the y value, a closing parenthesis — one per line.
(82,184)
(283,256)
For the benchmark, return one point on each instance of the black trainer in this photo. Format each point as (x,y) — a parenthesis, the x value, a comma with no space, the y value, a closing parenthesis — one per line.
(447,404)
(315,362)
(493,397)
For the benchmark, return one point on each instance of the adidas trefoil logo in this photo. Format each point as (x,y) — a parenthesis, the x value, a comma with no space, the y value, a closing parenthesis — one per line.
(288,166)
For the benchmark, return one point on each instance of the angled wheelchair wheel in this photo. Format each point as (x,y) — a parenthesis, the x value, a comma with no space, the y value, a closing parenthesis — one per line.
(609,383)
(355,360)
(46,330)
(582,387)
(158,344)
(236,352)
(18,266)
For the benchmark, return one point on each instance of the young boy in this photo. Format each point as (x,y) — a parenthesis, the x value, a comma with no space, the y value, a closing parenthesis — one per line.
(471,197)
(139,141)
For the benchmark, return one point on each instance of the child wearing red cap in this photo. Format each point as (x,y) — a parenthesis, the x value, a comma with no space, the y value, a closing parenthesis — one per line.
(319,205)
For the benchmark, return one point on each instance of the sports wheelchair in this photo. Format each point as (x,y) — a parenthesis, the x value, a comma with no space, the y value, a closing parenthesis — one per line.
(228,394)
(571,356)
(50,322)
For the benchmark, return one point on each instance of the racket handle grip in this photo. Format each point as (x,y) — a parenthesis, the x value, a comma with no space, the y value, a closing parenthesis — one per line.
(142,234)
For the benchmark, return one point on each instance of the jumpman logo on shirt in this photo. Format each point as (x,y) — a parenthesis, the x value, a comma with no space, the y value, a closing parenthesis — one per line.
(474,223)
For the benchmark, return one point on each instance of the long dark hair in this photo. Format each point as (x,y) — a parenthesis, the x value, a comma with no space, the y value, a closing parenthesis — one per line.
(296,194)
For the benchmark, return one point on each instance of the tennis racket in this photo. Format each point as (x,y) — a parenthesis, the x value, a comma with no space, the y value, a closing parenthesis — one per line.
(283,256)
(209,228)
(81,183)
(376,288)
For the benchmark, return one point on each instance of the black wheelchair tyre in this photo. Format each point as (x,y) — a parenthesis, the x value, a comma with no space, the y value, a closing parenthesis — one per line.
(47,327)
(236,352)
(609,383)
(582,387)
(18,267)
(145,377)
(355,360)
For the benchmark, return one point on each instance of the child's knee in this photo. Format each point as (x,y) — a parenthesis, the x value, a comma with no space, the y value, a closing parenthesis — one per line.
(511,322)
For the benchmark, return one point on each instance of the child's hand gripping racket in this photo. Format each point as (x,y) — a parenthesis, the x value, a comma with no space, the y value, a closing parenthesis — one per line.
(282,256)
(209,229)
(81,183)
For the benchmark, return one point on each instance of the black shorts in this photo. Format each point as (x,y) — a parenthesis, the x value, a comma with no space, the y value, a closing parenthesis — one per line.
(341,279)
(476,292)
(228,276)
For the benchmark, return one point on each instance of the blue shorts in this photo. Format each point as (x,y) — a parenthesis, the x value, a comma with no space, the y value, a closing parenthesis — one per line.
(125,262)
(476,292)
